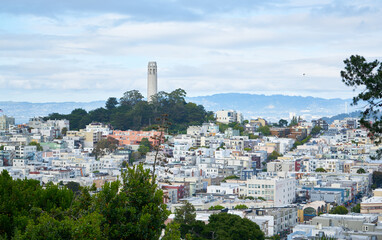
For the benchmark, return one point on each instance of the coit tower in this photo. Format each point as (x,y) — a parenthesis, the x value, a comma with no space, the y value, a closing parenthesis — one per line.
(151,80)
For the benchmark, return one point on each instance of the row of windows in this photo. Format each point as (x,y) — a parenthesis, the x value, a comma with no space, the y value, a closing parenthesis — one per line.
(260,186)
(258,192)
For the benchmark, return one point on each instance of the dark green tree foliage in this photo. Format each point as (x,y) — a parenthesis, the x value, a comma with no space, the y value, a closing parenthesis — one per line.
(361,170)
(144,146)
(132,112)
(111,103)
(229,226)
(283,123)
(316,130)
(368,76)
(320,170)
(339,210)
(217,207)
(131,209)
(377,179)
(294,121)
(22,201)
(274,155)
(241,206)
(356,208)
(264,130)
(220,226)
(172,232)
(185,214)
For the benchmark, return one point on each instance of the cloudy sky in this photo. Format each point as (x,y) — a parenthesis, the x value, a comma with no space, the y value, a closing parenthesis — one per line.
(85,50)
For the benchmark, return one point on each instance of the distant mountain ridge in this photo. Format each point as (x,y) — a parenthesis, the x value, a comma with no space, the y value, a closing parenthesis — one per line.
(22,111)
(272,107)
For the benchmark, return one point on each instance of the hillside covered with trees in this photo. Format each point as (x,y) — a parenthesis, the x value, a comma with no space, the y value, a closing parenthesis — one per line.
(131,111)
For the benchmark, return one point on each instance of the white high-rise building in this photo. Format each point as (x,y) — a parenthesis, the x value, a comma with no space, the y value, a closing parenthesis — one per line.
(151,80)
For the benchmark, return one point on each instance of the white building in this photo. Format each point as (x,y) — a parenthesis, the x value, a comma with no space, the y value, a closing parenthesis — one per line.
(228,116)
(280,190)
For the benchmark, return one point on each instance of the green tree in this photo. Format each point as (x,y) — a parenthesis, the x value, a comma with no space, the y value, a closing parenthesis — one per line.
(294,121)
(105,146)
(339,210)
(144,146)
(229,226)
(74,186)
(241,206)
(274,155)
(217,207)
(356,208)
(111,103)
(264,130)
(283,123)
(377,179)
(64,130)
(367,76)
(231,177)
(130,98)
(316,130)
(133,209)
(38,146)
(185,214)
(320,170)
(361,170)
(172,232)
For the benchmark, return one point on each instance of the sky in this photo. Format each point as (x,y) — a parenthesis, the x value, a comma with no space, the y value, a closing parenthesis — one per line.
(87,50)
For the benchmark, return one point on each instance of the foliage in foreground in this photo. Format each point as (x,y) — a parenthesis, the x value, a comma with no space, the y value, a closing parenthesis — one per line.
(129,209)
(367,76)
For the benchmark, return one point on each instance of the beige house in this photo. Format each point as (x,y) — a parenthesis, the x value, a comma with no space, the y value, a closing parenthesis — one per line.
(373,204)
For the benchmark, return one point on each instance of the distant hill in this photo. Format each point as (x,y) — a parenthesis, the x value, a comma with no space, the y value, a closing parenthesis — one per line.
(274,107)
(356,114)
(22,111)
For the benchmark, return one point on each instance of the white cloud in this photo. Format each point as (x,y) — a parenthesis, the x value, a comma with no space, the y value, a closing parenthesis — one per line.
(266,50)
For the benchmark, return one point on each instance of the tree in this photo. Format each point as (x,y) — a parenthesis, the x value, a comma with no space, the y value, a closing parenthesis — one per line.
(339,210)
(294,121)
(283,123)
(316,130)
(274,155)
(64,130)
(356,208)
(361,170)
(38,146)
(320,170)
(262,199)
(368,76)
(105,146)
(130,98)
(264,130)
(185,214)
(241,206)
(172,232)
(229,226)
(231,177)
(144,146)
(377,179)
(217,207)
(111,103)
